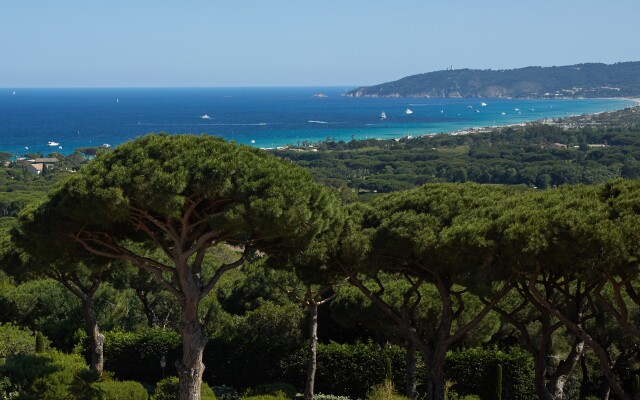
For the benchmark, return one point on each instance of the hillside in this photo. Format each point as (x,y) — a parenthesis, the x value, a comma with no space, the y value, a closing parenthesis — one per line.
(580,80)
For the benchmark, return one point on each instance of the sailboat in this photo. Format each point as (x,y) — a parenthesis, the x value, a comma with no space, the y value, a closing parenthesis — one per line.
(383,115)
(205,116)
(408,111)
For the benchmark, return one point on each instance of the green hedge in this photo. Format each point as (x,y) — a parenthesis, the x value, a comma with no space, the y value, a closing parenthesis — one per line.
(136,355)
(347,370)
(46,376)
(122,390)
(474,372)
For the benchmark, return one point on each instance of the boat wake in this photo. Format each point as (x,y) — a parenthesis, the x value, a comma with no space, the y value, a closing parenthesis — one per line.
(318,122)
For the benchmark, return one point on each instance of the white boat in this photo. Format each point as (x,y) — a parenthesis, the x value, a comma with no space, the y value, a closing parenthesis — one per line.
(53,144)
(206,116)
(253,141)
(503,113)
(516,109)
(383,115)
(469,107)
(483,104)
(106,145)
(408,111)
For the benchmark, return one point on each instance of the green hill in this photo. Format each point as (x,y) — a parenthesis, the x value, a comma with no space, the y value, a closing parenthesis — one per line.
(580,80)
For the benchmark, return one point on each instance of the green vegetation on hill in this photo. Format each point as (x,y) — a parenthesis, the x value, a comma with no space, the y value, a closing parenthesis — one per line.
(581,80)
(452,290)
(586,149)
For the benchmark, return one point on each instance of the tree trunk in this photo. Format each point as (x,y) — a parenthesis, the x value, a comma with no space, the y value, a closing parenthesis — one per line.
(410,390)
(437,373)
(191,369)
(149,312)
(313,342)
(565,369)
(540,371)
(95,337)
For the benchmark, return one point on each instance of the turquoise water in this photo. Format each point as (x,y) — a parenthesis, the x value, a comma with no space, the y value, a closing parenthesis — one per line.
(262,117)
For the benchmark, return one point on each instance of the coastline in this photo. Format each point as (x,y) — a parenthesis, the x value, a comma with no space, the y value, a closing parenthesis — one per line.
(484,129)
(262,118)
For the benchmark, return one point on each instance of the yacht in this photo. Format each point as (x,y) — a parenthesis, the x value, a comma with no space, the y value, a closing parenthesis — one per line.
(106,145)
(483,104)
(53,144)
(206,116)
(383,115)
(408,111)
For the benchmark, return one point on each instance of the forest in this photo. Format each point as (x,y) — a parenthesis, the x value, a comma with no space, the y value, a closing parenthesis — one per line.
(187,267)
(583,149)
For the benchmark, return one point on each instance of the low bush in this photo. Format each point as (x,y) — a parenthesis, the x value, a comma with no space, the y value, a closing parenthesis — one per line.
(16,340)
(384,391)
(122,390)
(169,389)
(46,376)
(274,389)
(265,397)
(225,393)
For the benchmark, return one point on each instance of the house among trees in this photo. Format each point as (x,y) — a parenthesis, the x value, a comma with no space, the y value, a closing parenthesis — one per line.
(35,168)
(37,165)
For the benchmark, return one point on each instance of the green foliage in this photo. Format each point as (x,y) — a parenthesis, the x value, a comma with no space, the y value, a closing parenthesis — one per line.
(122,390)
(136,355)
(39,342)
(498,393)
(84,385)
(266,397)
(169,389)
(15,340)
(46,376)
(512,155)
(43,305)
(472,369)
(225,393)
(320,396)
(384,391)
(582,80)
(346,370)
(274,389)
(247,353)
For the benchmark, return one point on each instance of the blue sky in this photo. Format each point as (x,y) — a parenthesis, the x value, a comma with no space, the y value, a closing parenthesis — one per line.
(197,43)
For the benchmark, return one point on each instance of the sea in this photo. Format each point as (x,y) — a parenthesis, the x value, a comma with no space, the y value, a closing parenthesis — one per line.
(62,120)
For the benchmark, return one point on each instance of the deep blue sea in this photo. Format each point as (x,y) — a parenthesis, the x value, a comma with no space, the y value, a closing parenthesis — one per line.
(261,117)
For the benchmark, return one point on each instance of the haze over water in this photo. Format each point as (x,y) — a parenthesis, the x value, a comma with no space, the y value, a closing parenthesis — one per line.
(261,117)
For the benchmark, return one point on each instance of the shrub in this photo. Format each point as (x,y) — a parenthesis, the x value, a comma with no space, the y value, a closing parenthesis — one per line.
(472,369)
(275,389)
(249,352)
(265,397)
(15,340)
(347,369)
(136,355)
(46,376)
(123,390)
(169,389)
(384,391)
(225,393)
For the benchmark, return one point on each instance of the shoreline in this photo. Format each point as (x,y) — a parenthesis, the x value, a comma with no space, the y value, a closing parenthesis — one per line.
(400,128)
(484,129)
